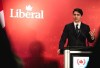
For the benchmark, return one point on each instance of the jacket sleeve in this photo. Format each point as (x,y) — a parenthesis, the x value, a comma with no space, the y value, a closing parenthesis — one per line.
(63,37)
(88,35)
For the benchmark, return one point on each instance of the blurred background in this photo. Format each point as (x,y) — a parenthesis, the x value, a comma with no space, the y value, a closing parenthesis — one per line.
(36,41)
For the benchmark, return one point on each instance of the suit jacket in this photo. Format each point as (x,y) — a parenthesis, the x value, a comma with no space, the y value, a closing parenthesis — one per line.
(75,39)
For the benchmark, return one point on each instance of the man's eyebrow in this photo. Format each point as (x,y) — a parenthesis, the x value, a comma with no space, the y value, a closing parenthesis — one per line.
(76,14)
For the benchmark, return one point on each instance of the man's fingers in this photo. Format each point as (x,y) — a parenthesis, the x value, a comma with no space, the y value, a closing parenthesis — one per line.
(58,51)
(93,31)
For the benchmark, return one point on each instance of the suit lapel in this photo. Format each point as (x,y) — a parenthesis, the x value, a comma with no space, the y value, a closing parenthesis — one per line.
(81,27)
(74,31)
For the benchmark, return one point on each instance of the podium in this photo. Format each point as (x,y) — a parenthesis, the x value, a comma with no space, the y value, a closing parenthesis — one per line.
(77,57)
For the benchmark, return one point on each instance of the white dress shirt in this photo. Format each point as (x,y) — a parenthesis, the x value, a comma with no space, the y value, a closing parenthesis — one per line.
(79,25)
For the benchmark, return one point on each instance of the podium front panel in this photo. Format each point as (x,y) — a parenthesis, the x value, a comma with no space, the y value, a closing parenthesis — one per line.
(76,59)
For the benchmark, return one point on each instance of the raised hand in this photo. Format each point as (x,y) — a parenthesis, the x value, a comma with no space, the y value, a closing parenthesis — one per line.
(92,33)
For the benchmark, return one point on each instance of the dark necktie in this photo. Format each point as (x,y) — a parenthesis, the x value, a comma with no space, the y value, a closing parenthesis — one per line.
(77,30)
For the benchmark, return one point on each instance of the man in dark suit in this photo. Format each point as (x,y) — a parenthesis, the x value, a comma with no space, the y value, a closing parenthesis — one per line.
(76,32)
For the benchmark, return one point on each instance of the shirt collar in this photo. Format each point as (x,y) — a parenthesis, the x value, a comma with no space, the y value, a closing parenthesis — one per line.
(79,24)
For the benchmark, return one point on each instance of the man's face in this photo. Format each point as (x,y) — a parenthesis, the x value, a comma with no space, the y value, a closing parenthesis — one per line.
(77,16)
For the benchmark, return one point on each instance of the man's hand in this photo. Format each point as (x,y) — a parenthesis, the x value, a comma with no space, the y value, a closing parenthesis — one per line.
(58,51)
(92,34)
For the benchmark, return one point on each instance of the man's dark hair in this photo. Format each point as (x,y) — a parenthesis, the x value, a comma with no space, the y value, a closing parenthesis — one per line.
(78,10)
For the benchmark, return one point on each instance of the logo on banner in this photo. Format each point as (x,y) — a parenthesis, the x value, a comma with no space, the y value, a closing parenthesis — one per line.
(80,62)
(29,13)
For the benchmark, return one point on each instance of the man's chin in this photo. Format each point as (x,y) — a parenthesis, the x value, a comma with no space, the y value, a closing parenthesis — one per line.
(77,21)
